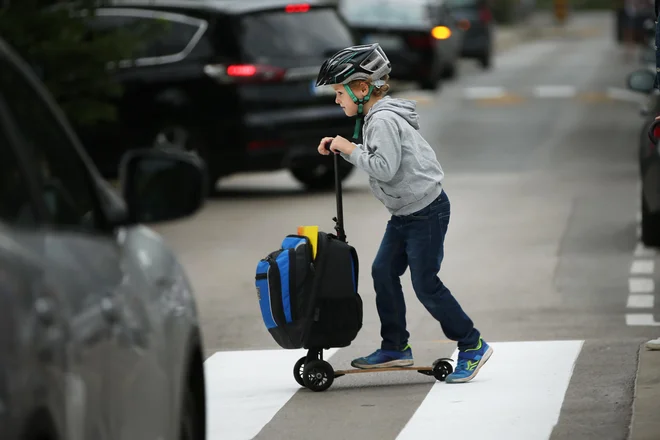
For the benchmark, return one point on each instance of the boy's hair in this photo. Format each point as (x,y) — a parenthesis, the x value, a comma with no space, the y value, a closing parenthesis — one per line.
(378,91)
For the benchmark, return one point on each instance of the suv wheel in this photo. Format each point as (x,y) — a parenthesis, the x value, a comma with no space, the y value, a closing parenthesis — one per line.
(192,421)
(321,176)
(650,226)
(486,61)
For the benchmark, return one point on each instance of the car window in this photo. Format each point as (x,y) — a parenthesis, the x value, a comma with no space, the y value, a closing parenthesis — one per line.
(300,35)
(64,180)
(389,12)
(160,37)
(15,203)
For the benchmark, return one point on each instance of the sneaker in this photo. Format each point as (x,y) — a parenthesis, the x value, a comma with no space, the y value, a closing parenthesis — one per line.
(653,344)
(469,362)
(385,358)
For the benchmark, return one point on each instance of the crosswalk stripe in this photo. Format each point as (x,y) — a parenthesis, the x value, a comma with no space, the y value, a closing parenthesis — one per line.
(245,389)
(517,395)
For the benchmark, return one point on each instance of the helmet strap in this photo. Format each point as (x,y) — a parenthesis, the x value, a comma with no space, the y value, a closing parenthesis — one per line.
(360,103)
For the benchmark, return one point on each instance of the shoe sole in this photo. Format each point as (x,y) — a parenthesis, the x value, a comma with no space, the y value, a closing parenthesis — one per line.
(652,346)
(484,359)
(390,364)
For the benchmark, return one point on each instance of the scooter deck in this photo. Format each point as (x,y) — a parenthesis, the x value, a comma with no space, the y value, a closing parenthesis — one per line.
(377,370)
(424,369)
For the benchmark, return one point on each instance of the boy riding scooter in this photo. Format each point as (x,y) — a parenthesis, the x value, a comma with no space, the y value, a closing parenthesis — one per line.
(405,175)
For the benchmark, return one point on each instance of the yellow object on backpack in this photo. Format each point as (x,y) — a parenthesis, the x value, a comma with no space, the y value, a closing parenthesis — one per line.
(311,232)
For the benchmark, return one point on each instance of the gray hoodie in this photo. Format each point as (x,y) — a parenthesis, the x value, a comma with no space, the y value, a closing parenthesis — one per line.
(403,170)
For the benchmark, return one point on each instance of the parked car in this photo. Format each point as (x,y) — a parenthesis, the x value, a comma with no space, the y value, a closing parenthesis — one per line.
(633,19)
(99,333)
(421,38)
(475,18)
(231,80)
(642,81)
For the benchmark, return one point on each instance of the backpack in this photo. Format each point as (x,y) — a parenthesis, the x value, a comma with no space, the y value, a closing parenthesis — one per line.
(309,302)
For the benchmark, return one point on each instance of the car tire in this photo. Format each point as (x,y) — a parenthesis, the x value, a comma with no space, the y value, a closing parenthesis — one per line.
(451,71)
(321,176)
(192,419)
(650,226)
(486,61)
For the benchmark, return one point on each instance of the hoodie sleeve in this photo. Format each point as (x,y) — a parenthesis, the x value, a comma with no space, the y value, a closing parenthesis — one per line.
(380,156)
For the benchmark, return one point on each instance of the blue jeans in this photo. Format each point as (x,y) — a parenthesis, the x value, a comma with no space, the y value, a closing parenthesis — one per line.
(417,241)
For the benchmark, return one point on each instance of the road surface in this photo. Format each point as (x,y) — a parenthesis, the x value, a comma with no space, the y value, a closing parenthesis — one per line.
(541,252)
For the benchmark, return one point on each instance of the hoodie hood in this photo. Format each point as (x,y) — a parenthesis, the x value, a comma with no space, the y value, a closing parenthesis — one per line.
(402,107)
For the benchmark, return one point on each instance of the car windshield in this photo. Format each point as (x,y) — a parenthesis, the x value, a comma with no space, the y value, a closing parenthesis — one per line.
(385,12)
(314,34)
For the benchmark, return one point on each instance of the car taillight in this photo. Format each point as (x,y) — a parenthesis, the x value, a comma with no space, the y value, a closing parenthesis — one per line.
(293,9)
(656,134)
(242,70)
(420,41)
(485,15)
(244,73)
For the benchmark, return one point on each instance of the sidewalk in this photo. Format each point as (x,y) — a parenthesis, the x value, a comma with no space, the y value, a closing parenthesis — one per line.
(645,423)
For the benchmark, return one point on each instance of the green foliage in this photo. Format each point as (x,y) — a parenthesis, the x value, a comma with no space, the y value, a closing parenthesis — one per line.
(72,58)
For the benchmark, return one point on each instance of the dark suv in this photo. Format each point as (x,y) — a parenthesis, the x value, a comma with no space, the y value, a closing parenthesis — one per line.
(232,80)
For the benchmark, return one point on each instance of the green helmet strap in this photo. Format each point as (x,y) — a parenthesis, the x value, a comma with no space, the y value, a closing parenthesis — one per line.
(360,103)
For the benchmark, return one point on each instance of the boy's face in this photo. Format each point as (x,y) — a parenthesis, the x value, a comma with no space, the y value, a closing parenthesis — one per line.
(344,100)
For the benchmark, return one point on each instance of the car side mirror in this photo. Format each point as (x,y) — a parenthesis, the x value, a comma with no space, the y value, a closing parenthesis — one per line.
(162,185)
(641,81)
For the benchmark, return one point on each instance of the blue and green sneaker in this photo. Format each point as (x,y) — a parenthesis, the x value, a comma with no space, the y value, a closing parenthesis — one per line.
(469,362)
(385,358)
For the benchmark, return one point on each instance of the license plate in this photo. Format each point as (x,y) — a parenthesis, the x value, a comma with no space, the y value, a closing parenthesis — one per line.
(323,90)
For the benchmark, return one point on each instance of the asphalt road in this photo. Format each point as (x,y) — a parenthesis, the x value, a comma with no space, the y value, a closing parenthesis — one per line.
(539,155)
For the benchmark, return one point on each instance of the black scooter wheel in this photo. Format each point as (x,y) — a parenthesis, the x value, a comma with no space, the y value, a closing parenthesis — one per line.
(318,375)
(441,370)
(298,370)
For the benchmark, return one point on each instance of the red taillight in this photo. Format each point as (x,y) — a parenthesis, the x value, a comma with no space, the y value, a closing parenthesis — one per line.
(292,9)
(420,41)
(656,134)
(244,72)
(485,15)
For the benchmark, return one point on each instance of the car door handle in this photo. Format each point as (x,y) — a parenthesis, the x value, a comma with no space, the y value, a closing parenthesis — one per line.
(109,310)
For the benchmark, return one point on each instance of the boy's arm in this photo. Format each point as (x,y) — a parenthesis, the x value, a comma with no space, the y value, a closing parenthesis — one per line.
(382,156)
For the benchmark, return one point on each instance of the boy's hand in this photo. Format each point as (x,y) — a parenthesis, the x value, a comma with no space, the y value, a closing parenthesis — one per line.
(342,145)
(323,149)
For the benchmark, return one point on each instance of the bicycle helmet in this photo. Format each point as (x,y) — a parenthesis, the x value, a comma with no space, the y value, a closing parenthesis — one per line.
(362,62)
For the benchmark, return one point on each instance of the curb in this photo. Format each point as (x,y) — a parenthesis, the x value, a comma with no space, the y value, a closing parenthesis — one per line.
(645,423)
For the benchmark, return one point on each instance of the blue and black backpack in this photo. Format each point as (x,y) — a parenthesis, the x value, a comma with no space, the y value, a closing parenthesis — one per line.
(310,302)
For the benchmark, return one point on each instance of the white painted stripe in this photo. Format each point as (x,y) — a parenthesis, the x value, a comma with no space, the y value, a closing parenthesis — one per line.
(644,301)
(641,285)
(245,389)
(509,400)
(555,91)
(641,319)
(642,266)
(484,92)
(624,95)
(642,251)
